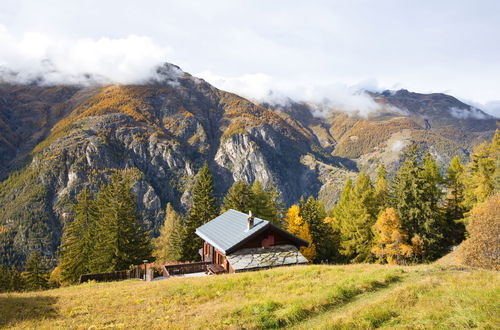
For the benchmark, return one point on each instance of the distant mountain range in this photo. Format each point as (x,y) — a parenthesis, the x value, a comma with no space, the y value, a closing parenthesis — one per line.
(55,140)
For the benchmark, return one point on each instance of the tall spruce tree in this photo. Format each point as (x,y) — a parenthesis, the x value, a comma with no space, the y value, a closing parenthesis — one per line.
(314,214)
(454,210)
(168,246)
(78,241)
(121,241)
(382,193)
(416,199)
(359,217)
(36,274)
(267,203)
(203,208)
(239,197)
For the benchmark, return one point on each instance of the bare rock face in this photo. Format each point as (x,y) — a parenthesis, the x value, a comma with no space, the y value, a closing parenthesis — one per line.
(54,141)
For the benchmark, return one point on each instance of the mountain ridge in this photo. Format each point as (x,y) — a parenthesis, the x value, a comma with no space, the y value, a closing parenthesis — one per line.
(55,140)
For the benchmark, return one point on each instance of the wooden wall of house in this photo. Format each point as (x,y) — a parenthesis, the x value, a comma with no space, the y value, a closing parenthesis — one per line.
(272,237)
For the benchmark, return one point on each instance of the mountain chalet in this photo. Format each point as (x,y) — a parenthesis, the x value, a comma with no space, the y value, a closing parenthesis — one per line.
(236,242)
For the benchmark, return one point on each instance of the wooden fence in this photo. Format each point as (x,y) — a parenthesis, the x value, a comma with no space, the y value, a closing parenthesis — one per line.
(186,268)
(113,276)
(138,272)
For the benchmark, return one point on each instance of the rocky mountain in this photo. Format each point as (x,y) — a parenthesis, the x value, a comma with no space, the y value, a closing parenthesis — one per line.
(55,140)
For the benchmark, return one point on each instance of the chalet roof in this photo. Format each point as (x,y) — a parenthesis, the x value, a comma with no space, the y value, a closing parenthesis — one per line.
(258,258)
(229,231)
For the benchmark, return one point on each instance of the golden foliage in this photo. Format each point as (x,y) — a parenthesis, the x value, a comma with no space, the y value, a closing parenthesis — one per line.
(482,248)
(364,136)
(390,238)
(298,227)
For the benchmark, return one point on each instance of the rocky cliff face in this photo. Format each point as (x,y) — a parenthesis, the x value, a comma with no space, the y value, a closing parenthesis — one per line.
(56,140)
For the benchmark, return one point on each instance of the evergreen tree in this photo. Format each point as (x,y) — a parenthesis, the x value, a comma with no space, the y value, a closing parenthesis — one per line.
(36,273)
(454,210)
(298,227)
(17,282)
(168,246)
(314,214)
(390,242)
(239,197)
(121,240)
(203,208)
(416,199)
(267,204)
(381,193)
(356,223)
(4,279)
(78,241)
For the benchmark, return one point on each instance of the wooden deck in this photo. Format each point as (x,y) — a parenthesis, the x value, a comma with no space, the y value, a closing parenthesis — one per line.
(215,269)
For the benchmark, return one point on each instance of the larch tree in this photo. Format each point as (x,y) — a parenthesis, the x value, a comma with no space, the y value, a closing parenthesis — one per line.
(79,237)
(390,242)
(121,240)
(298,227)
(204,207)
(168,246)
(355,227)
(482,247)
(482,173)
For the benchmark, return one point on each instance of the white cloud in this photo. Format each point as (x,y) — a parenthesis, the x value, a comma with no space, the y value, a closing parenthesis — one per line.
(467,113)
(261,87)
(125,60)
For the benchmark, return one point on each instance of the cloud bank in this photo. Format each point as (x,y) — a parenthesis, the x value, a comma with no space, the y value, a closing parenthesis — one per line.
(32,56)
(260,87)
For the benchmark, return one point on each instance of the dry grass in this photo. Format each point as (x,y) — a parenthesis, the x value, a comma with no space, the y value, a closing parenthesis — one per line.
(267,299)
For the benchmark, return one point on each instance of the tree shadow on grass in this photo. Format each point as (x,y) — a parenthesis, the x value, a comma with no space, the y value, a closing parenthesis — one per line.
(17,309)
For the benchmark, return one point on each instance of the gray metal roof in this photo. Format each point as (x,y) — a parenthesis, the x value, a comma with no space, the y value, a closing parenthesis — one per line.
(229,230)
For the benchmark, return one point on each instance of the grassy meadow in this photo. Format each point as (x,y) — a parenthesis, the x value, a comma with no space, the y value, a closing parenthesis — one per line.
(302,297)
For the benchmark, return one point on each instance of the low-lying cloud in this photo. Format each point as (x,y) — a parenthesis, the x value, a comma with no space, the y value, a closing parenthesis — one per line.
(33,56)
(264,88)
(470,113)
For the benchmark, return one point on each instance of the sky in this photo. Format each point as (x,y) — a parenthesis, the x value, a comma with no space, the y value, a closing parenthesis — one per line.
(307,50)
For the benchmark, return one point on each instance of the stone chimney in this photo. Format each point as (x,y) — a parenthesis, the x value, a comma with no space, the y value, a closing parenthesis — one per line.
(250,220)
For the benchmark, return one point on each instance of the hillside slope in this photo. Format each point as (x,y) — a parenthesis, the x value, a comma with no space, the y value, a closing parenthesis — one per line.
(302,297)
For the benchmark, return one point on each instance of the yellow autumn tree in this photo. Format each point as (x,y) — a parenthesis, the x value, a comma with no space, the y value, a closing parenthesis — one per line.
(390,238)
(298,227)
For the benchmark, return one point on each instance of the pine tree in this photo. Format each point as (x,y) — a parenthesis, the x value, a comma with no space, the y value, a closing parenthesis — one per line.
(121,241)
(356,223)
(267,204)
(298,227)
(168,246)
(36,273)
(390,242)
(454,210)
(239,197)
(78,241)
(381,193)
(314,214)
(203,208)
